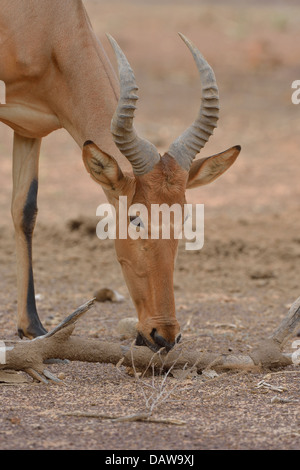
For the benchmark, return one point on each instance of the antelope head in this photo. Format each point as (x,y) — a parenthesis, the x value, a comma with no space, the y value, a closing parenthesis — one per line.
(148,264)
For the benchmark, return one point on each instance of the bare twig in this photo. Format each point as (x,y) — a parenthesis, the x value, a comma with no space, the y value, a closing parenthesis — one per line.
(134,417)
(288,325)
(72,318)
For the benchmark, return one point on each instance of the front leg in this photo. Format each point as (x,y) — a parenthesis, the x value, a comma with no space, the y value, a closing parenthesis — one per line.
(24,210)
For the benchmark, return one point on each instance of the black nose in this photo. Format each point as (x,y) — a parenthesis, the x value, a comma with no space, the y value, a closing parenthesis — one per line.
(162,342)
(159,341)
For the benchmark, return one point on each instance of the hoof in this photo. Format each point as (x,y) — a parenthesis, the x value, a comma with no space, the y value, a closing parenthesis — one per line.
(32,331)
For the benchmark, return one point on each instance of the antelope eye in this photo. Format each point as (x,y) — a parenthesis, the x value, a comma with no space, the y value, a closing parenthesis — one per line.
(136,220)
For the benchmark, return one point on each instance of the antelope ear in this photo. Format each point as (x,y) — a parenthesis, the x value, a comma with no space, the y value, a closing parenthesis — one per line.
(206,170)
(102,167)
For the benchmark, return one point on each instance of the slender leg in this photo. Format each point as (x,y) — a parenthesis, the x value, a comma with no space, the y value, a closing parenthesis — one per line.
(24,210)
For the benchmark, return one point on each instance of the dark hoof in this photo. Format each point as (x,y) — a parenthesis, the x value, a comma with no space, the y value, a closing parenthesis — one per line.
(32,331)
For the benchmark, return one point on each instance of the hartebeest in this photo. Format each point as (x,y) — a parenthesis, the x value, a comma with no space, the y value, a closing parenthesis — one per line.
(58,75)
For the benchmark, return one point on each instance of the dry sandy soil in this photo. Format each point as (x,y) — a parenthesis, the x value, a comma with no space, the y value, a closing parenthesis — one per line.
(229,295)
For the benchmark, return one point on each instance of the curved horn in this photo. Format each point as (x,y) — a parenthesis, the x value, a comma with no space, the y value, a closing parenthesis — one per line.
(185,148)
(141,154)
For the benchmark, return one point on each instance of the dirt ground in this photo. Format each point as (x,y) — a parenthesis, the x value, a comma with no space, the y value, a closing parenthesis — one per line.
(231,294)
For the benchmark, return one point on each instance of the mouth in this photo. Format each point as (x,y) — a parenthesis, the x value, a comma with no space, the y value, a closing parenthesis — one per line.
(158,341)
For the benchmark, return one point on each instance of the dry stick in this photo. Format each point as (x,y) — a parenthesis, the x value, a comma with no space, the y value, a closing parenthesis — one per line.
(134,417)
(29,356)
(158,395)
(72,318)
(34,356)
(288,325)
(269,352)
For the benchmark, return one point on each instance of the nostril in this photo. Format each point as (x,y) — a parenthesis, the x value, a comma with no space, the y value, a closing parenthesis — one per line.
(139,341)
(152,334)
(160,341)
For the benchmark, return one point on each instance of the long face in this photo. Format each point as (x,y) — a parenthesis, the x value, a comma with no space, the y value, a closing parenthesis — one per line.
(148,261)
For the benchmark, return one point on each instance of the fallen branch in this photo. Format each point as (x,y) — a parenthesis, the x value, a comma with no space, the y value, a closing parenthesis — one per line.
(30,356)
(288,325)
(145,417)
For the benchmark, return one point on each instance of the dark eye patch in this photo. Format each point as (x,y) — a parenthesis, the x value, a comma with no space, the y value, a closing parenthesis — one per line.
(136,220)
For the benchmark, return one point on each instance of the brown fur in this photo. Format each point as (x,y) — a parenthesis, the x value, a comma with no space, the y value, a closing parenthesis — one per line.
(58,75)
(148,264)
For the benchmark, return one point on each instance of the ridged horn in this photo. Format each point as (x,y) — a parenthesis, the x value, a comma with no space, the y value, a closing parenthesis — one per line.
(141,154)
(185,148)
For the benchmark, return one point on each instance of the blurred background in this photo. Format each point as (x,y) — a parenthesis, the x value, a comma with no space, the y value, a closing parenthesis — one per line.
(253,47)
(250,257)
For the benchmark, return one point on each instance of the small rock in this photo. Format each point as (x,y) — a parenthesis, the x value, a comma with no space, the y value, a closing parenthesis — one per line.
(278,399)
(127,328)
(210,373)
(102,295)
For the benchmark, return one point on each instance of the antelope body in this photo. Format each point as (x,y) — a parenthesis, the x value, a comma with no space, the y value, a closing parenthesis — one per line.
(57,75)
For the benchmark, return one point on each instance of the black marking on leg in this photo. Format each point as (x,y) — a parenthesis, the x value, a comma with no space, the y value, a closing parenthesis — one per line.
(35,327)
(28,222)
(30,210)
